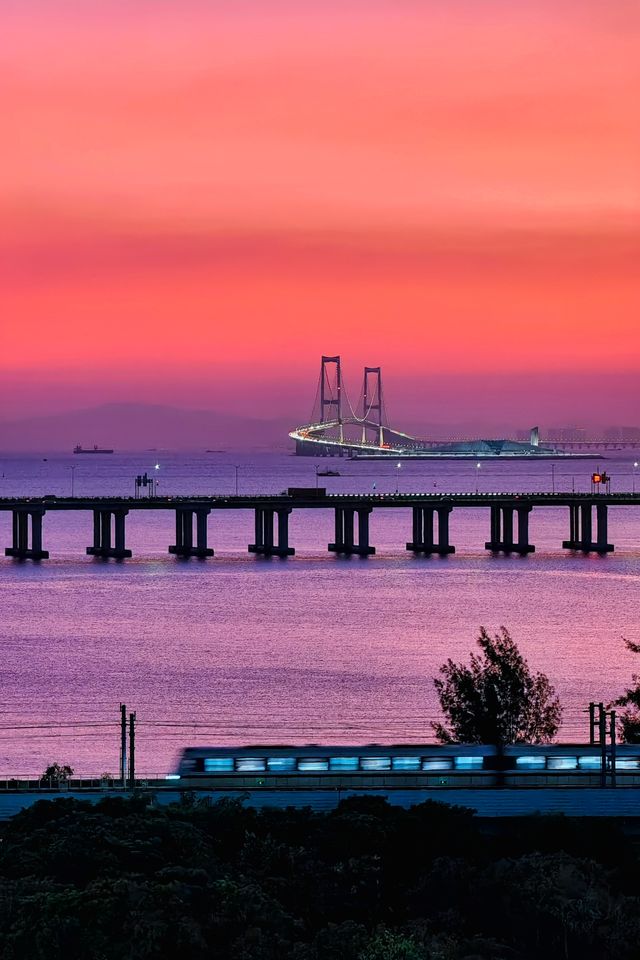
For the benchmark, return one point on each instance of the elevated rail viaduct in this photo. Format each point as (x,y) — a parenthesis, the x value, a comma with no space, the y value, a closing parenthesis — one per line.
(508,516)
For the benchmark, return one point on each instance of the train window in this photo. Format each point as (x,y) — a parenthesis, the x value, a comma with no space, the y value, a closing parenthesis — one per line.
(250,764)
(628,763)
(312,764)
(531,763)
(469,763)
(218,764)
(405,763)
(375,763)
(281,764)
(343,763)
(589,763)
(437,763)
(562,763)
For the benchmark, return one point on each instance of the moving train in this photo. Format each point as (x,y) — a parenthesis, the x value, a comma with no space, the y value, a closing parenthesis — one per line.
(418,765)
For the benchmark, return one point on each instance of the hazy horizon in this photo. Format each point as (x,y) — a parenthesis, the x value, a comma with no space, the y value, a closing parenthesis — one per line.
(128,425)
(589,398)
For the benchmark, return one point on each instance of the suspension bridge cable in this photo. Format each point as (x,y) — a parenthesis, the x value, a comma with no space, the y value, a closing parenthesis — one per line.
(316,402)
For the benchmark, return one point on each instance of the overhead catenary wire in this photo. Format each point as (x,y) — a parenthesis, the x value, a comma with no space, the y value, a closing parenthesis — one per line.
(275,719)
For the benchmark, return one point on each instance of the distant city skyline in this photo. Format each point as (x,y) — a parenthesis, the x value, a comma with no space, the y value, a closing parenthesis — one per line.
(200,199)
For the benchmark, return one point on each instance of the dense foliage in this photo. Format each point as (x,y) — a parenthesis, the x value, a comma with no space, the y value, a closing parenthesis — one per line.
(496,698)
(119,881)
(629,719)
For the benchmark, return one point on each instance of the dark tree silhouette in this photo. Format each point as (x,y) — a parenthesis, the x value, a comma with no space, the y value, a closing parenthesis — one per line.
(123,880)
(630,719)
(496,698)
(57,773)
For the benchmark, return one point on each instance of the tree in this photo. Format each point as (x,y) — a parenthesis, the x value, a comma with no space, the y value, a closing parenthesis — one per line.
(57,773)
(496,698)
(387,945)
(630,719)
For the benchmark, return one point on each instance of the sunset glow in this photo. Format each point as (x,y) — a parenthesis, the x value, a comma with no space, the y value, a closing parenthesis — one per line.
(206,192)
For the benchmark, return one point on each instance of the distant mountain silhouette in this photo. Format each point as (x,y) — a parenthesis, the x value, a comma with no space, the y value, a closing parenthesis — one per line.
(138,426)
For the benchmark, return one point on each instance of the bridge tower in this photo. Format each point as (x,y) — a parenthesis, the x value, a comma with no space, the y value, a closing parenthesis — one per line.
(372,401)
(331,397)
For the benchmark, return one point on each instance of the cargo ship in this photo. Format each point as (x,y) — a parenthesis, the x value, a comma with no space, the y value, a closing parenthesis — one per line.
(95,449)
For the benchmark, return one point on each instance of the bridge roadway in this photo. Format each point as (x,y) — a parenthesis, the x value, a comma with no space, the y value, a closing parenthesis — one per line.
(508,520)
(487,802)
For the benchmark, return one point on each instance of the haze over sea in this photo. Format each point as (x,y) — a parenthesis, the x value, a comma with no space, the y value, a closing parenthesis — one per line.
(239,649)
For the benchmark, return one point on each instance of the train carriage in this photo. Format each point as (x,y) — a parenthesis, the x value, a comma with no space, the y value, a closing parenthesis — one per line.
(404,766)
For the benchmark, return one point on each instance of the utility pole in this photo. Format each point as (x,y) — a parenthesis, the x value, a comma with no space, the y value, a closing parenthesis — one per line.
(598,732)
(612,740)
(123,744)
(602,734)
(592,723)
(132,751)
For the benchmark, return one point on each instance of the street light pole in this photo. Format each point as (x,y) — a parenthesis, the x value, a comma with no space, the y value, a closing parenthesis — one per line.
(72,478)
(635,467)
(478,465)
(398,468)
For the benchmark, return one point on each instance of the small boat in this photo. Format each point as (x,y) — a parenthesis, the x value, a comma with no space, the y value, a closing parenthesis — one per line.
(95,449)
(328,473)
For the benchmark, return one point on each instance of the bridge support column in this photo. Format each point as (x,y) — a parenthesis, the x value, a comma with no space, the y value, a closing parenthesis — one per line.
(344,536)
(581,528)
(502,529)
(184,546)
(423,530)
(265,529)
(102,529)
(443,530)
(523,529)
(20,549)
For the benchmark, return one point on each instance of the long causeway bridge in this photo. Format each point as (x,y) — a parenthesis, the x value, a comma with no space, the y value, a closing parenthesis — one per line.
(507,516)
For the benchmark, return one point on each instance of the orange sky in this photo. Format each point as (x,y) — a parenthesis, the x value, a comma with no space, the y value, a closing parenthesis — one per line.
(204,192)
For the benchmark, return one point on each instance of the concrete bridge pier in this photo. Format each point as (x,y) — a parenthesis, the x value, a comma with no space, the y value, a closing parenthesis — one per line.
(345,532)
(102,530)
(20,549)
(423,530)
(265,533)
(581,528)
(502,529)
(184,545)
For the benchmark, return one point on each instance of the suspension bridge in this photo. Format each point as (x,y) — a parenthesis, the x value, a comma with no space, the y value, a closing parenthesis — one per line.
(337,427)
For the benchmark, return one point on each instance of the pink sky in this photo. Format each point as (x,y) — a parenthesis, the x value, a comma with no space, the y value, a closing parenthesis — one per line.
(202,193)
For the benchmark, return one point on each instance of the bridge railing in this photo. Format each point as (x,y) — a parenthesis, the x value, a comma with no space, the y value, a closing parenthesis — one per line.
(23,783)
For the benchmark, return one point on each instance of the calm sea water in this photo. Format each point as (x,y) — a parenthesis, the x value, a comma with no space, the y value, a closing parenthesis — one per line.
(240,649)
